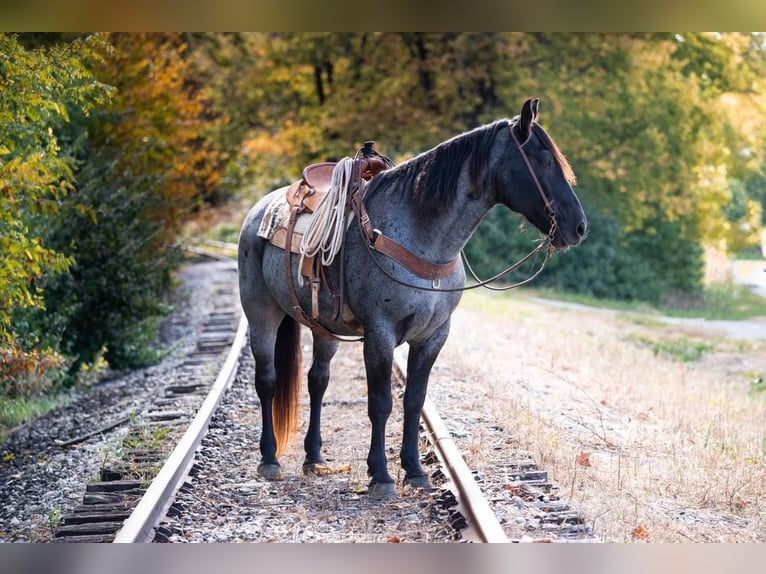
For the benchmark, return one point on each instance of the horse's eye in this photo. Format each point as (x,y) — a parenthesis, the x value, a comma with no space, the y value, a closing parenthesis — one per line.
(546,159)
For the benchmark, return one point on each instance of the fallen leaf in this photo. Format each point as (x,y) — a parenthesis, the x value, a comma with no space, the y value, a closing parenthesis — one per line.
(325,470)
(513,489)
(739,504)
(322,470)
(394,539)
(640,532)
(583,459)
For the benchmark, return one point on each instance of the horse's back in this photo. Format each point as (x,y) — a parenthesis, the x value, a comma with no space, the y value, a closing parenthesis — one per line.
(248,233)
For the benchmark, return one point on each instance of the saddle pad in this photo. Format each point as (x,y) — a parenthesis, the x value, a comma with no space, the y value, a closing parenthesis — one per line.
(275,217)
(274,229)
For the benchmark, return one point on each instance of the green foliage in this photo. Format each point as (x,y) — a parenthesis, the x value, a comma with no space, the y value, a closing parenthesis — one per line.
(680,349)
(143,171)
(104,155)
(40,90)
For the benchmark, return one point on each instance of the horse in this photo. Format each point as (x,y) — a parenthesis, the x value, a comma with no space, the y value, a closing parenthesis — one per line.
(430,205)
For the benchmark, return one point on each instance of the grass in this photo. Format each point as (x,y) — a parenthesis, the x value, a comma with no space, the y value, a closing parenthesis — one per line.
(147,438)
(725,300)
(757,384)
(17,410)
(681,349)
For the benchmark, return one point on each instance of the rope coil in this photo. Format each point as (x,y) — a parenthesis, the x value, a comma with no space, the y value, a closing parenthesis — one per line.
(327,226)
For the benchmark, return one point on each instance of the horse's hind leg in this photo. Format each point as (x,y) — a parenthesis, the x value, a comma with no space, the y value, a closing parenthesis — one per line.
(319,377)
(262,347)
(275,344)
(419,363)
(262,343)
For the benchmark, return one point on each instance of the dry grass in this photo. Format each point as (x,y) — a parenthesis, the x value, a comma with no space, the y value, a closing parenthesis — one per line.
(648,442)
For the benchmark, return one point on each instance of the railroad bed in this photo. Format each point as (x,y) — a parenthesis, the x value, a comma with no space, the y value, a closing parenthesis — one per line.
(224,500)
(60,462)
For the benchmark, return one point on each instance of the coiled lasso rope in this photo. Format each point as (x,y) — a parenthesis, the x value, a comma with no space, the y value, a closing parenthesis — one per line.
(327,226)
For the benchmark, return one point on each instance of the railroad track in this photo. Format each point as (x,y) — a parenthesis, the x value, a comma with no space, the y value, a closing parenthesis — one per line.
(127,484)
(135,510)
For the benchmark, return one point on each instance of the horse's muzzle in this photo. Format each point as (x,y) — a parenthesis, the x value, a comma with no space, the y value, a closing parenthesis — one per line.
(570,236)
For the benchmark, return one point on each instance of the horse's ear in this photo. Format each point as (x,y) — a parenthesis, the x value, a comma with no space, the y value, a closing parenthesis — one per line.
(535,107)
(527,117)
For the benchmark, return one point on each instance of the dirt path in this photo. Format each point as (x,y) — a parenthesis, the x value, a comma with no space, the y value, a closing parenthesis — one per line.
(754,329)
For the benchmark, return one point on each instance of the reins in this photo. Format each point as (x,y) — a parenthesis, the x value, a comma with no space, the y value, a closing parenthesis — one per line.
(546,244)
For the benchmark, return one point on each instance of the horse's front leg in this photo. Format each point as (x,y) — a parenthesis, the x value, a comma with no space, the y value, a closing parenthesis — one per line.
(378,360)
(419,363)
(319,377)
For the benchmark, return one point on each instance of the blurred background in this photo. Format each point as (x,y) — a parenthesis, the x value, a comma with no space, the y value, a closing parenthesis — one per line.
(116,149)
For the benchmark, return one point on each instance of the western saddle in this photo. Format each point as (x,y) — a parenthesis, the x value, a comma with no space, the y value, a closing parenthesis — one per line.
(303,196)
(308,191)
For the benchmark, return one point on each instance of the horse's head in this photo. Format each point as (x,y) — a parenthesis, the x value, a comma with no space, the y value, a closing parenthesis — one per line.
(536,181)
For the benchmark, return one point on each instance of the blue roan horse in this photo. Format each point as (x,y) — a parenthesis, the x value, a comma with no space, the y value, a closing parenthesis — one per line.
(431,205)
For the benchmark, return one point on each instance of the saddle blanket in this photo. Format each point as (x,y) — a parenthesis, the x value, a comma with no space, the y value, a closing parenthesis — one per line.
(273,228)
(276,216)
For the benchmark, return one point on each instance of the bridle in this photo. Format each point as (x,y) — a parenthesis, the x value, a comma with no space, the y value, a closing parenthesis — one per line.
(545,245)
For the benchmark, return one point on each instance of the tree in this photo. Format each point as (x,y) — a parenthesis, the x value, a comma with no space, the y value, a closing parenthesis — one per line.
(40,90)
(145,167)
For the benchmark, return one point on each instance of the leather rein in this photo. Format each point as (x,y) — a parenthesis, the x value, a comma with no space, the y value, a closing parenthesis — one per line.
(376,241)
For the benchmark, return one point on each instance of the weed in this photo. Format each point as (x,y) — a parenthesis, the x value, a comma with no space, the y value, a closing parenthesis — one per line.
(54,519)
(681,349)
(147,438)
(757,384)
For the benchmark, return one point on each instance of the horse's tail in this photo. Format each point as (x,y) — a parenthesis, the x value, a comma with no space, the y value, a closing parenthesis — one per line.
(287,362)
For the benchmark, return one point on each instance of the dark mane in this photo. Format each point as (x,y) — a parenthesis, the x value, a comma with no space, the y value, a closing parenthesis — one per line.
(432,176)
(437,178)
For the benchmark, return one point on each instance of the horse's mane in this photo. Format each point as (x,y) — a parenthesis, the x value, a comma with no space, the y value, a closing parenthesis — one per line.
(433,176)
(557,155)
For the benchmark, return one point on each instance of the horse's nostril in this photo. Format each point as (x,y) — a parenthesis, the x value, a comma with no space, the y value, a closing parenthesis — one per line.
(581,229)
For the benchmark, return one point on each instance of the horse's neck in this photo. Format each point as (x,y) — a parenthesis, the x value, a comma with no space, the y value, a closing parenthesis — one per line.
(440,237)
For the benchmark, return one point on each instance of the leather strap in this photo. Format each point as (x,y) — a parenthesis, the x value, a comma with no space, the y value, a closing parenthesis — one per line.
(406,258)
(387,246)
(362,169)
(302,316)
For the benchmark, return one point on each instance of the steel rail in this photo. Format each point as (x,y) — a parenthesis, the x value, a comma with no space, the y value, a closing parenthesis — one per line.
(468,495)
(154,504)
(219,244)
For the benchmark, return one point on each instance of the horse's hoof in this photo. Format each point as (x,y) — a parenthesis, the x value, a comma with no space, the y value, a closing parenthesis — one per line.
(382,490)
(421,482)
(270,471)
